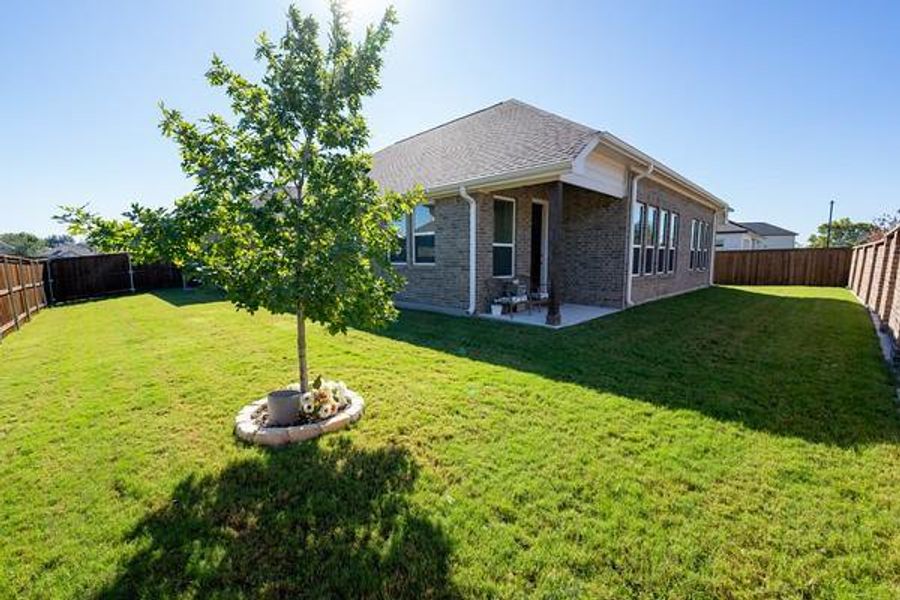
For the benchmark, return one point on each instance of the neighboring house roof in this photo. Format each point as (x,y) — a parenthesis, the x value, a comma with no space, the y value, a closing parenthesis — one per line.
(68,251)
(765,229)
(729,227)
(502,142)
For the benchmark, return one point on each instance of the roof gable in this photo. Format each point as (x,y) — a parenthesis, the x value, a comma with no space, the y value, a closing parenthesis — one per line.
(504,138)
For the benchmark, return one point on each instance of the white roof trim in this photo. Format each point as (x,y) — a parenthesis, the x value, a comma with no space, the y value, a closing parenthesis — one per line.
(693,190)
(531,175)
(573,172)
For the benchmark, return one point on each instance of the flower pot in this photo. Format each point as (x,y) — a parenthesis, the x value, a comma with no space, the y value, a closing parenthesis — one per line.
(496,309)
(284,407)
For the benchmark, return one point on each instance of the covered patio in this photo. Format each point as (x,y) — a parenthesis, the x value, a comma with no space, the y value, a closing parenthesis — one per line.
(569,314)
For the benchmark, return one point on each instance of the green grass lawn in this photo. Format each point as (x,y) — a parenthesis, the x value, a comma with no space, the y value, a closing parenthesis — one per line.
(734,442)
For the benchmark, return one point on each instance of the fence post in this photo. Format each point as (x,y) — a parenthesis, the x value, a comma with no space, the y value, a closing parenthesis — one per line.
(130,272)
(50,280)
(22,289)
(9,294)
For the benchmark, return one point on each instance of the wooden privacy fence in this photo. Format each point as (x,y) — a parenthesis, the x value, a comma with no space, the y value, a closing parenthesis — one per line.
(83,277)
(21,291)
(873,278)
(799,266)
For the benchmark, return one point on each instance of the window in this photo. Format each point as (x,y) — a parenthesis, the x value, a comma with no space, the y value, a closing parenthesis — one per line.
(504,243)
(398,256)
(673,241)
(638,214)
(701,236)
(650,233)
(662,238)
(423,234)
(694,231)
(704,246)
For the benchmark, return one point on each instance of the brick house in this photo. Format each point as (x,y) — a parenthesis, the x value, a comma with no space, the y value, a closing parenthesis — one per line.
(514,191)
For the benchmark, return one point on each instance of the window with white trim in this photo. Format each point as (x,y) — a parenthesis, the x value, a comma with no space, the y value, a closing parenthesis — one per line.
(704,246)
(650,233)
(399,255)
(503,246)
(694,230)
(662,239)
(673,242)
(638,214)
(423,234)
(701,238)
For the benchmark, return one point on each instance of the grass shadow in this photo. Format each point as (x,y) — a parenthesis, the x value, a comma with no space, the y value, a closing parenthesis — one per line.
(297,522)
(806,367)
(179,297)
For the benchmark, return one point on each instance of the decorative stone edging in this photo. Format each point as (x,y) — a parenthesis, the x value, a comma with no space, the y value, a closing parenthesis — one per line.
(248,427)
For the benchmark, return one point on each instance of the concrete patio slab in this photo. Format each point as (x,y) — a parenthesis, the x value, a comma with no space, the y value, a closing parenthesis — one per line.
(571,314)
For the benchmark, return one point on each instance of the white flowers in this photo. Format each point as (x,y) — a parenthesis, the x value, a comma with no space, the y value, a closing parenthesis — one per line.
(325,400)
(327,410)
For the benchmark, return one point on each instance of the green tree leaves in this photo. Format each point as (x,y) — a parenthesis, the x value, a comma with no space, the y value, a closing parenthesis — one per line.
(283,215)
(844,232)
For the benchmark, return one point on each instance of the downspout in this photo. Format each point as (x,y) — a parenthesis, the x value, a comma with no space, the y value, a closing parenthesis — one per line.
(472,233)
(630,250)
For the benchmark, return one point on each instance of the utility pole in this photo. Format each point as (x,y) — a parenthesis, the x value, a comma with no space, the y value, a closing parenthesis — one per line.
(830,215)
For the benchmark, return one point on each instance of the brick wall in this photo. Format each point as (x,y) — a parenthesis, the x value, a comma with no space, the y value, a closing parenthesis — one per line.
(595,227)
(594,256)
(649,287)
(445,283)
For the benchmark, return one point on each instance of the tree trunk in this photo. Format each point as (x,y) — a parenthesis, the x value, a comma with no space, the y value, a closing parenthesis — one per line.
(301,349)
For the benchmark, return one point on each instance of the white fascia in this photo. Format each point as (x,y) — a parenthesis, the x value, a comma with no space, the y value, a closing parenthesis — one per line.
(663,174)
(532,175)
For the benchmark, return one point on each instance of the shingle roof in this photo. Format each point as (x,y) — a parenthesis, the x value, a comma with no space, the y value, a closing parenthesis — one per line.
(762,228)
(729,227)
(503,138)
(68,251)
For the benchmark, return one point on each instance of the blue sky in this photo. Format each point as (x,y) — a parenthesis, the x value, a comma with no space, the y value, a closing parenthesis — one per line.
(776,107)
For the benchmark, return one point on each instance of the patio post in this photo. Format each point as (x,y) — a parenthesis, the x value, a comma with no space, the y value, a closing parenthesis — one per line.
(554,261)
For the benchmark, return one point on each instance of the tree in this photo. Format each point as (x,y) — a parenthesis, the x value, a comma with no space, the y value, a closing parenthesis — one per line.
(52,241)
(887,221)
(149,235)
(24,243)
(284,215)
(844,232)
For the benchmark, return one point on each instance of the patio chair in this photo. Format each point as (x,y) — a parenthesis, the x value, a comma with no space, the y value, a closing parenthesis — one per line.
(514,293)
(540,295)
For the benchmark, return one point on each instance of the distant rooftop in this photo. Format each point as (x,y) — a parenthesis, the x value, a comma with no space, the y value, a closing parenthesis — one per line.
(763,228)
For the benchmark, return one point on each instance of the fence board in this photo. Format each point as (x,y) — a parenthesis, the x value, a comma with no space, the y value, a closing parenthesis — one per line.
(21,291)
(875,278)
(801,266)
(82,277)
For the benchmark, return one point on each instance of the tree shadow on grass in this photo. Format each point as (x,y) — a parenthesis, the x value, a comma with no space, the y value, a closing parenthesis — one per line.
(791,365)
(179,297)
(303,521)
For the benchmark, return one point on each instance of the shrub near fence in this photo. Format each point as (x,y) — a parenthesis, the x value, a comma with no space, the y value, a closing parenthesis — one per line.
(827,267)
(873,278)
(21,291)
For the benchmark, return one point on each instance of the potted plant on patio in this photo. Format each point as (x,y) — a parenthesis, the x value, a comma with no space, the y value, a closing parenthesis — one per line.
(283,215)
